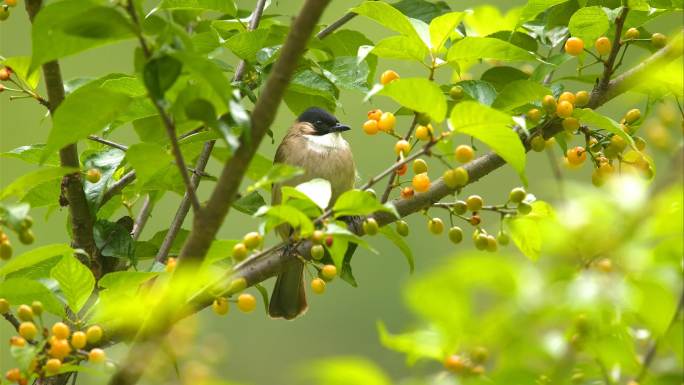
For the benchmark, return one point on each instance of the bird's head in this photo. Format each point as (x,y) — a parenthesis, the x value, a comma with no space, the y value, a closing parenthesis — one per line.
(320,122)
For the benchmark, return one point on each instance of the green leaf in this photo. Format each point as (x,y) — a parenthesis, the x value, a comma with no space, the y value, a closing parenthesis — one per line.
(493,128)
(75,281)
(471,49)
(400,47)
(250,203)
(417,94)
(32,154)
(399,241)
(113,240)
(416,345)
(85,111)
(22,290)
(258,167)
(519,93)
(479,90)
(441,27)
(20,186)
(345,72)
(592,118)
(159,75)
(149,161)
(317,90)
(345,371)
(67,27)
(526,230)
(209,73)
(279,172)
(535,7)
(34,256)
(264,295)
(125,280)
(21,66)
(279,214)
(357,202)
(387,16)
(589,23)
(422,9)
(225,6)
(500,76)
(107,161)
(317,190)
(44,194)
(245,45)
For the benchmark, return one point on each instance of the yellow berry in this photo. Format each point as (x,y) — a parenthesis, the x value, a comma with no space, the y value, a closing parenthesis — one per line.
(317,252)
(456,177)
(387,122)
(220,306)
(424,133)
(240,252)
(576,156)
(252,240)
(534,115)
(370,226)
(328,272)
(464,153)
(436,226)
(318,285)
(574,46)
(96,356)
(581,98)
(571,124)
(28,330)
(658,40)
(421,182)
(94,334)
(370,127)
(246,302)
(474,202)
(602,45)
(402,147)
(53,365)
(549,104)
(61,330)
(25,313)
(93,175)
(79,340)
(632,34)
(388,76)
(567,97)
(59,348)
(374,114)
(564,109)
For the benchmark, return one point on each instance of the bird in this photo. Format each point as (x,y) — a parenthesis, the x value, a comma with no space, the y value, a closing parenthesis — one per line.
(315,144)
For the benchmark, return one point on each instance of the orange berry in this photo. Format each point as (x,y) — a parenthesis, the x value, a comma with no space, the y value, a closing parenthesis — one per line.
(602,45)
(17,341)
(387,122)
(401,170)
(402,147)
(318,285)
(170,265)
(28,330)
(424,133)
(60,330)
(574,46)
(407,192)
(464,153)
(246,302)
(456,364)
(59,348)
(388,76)
(53,365)
(5,73)
(564,109)
(13,375)
(96,356)
(576,156)
(421,182)
(370,127)
(374,114)
(567,96)
(79,340)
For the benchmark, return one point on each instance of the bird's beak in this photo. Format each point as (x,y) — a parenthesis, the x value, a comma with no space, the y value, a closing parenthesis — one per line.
(339,127)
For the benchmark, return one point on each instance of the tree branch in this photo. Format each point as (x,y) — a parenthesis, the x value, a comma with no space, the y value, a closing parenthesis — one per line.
(336,24)
(208,220)
(81,219)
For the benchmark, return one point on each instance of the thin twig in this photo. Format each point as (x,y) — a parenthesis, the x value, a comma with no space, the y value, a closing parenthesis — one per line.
(335,25)
(253,24)
(107,142)
(11,319)
(143,215)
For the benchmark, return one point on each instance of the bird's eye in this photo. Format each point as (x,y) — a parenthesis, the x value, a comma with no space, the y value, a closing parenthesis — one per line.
(318,123)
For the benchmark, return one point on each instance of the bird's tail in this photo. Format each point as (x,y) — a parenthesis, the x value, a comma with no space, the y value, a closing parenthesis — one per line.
(289,298)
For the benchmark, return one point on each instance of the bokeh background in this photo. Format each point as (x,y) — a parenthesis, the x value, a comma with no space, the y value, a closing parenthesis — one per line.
(251,348)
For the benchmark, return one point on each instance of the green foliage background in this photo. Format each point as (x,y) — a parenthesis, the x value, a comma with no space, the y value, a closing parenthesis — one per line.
(253,349)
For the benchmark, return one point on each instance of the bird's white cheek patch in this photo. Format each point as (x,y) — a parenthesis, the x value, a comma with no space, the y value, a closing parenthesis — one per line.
(325,143)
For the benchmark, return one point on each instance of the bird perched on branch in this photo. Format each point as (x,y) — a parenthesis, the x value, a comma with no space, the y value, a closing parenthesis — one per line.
(315,144)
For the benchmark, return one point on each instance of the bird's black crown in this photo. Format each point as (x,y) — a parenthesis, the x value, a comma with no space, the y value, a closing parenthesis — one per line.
(323,121)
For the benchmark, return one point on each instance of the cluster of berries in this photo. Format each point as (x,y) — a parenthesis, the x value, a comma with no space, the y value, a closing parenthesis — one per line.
(60,345)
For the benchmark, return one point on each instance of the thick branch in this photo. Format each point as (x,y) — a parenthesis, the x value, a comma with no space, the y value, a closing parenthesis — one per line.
(208,220)
(72,184)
